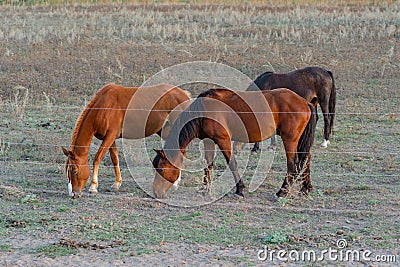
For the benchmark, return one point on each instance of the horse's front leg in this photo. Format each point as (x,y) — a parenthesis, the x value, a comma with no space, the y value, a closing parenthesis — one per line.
(226,148)
(255,148)
(104,147)
(115,161)
(209,151)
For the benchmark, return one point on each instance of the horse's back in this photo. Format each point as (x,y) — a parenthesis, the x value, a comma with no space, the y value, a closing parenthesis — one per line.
(120,96)
(150,109)
(114,97)
(309,82)
(246,115)
(284,100)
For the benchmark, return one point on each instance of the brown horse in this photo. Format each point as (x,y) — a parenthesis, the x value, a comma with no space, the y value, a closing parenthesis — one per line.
(220,115)
(104,118)
(314,84)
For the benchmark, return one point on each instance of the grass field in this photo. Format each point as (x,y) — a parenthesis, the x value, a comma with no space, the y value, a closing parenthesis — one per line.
(54,58)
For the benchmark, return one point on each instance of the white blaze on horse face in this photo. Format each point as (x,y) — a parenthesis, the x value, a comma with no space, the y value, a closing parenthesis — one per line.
(176,183)
(70,193)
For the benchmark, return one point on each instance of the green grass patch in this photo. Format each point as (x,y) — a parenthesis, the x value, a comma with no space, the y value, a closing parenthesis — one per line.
(373,202)
(276,238)
(5,247)
(56,250)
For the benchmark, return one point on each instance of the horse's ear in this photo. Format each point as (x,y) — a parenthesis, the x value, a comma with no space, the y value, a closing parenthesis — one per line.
(68,153)
(160,152)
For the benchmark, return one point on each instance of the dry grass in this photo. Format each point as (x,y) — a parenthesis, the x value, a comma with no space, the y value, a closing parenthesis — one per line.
(62,54)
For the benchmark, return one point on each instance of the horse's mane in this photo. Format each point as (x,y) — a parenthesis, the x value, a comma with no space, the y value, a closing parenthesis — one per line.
(259,81)
(261,78)
(81,118)
(189,123)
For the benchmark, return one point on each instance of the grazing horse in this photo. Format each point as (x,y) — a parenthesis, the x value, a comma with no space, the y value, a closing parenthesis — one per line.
(314,84)
(220,115)
(104,118)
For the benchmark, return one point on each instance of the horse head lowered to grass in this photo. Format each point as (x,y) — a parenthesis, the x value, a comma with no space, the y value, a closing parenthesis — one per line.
(104,117)
(220,115)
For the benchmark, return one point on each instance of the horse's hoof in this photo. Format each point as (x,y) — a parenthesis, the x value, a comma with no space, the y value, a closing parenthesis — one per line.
(306,190)
(93,191)
(275,198)
(253,152)
(282,193)
(204,190)
(75,196)
(239,195)
(325,144)
(116,186)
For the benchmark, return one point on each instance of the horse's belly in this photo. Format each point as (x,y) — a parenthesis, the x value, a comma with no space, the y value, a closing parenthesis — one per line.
(142,124)
(252,129)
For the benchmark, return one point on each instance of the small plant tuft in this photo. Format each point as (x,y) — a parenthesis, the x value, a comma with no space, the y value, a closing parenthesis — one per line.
(276,238)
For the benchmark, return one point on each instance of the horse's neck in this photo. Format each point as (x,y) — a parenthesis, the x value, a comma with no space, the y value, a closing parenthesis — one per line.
(175,153)
(80,144)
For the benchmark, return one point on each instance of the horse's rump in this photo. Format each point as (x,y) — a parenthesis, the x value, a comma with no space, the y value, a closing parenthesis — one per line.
(149,109)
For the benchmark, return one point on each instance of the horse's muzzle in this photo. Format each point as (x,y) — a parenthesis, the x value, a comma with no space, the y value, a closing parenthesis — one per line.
(75,195)
(160,186)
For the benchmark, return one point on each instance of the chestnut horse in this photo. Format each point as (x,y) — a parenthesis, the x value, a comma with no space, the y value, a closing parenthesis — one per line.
(220,115)
(314,84)
(104,118)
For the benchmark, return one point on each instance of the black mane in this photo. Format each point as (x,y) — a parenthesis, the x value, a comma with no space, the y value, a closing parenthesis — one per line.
(188,125)
(259,81)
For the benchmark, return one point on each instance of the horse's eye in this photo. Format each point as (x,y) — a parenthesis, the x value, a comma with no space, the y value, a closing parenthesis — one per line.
(74,172)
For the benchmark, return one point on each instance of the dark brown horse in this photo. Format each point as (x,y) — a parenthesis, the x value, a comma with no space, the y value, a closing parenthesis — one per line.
(104,117)
(220,115)
(314,84)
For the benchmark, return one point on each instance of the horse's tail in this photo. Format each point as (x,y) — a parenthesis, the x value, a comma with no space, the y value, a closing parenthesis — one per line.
(332,103)
(306,140)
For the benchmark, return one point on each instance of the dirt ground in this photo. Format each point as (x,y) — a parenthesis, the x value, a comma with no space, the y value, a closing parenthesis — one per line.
(53,59)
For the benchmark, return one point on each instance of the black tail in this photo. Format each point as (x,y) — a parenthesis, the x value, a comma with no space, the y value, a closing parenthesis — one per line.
(332,104)
(306,140)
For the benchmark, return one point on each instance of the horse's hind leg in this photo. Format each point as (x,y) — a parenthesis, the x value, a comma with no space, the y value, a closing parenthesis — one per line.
(115,161)
(287,183)
(291,157)
(305,176)
(325,110)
